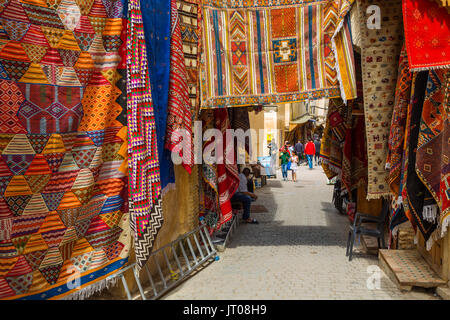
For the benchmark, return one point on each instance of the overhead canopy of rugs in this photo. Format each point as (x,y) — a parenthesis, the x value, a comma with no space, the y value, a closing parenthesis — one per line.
(260,53)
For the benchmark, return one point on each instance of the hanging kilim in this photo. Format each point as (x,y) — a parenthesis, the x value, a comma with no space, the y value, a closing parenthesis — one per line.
(398,124)
(209,197)
(433,146)
(345,61)
(427,32)
(419,197)
(239,119)
(380,56)
(334,136)
(262,52)
(179,117)
(144,186)
(227,173)
(63,183)
(444,221)
(156,20)
(191,26)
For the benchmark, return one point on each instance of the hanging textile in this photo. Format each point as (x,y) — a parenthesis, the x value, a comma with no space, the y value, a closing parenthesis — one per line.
(255,52)
(227,173)
(354,156)
(145,188)
(63,195)
(444,220)
(156,19)
(432,148)
(191,26)
(398,123)
(179,117)
(380,56)
(333,138)
(345,61)
(209,198)
(427,34)
(414,191)
(239,119)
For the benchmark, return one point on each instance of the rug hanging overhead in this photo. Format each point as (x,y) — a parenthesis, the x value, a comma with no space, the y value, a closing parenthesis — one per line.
(427,32)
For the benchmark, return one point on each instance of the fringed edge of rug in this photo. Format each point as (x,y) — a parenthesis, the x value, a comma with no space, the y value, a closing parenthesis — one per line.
(332,167)
(429,68)
(376,196)
(445,223)
(169,187)
(92,289)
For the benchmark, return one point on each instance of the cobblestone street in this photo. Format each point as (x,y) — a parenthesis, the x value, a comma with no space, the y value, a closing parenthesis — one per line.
(297,251)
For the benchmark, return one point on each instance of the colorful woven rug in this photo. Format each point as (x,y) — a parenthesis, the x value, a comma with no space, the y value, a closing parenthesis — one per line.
(227,173)
(444,220)
(418,81)
(179,117)
(63,195)
(209,197)
(398,124)
(260,52)
(380,56)
(191,26)
(345,61)
(418,196)
(239,119)
(333,137)
(433,147)
(156,18)
(145,188)
(427,32)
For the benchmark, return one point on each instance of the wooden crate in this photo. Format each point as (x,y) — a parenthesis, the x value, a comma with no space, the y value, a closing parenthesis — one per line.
(408,269)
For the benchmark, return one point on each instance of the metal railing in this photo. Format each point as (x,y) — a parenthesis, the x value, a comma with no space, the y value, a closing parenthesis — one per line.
(179,259)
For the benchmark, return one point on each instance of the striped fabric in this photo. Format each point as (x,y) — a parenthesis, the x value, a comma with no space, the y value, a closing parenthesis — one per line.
(263,53)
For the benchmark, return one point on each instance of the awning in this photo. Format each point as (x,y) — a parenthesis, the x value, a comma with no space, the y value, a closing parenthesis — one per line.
(302,119)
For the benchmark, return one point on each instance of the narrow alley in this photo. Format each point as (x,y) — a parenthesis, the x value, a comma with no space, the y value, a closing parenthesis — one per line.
(297,251)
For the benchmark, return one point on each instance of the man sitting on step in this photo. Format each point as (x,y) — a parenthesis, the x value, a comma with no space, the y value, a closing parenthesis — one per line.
(244,196)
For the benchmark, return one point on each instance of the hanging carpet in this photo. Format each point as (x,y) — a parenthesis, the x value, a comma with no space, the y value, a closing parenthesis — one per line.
(64,227)
(418,195)
(145,187)
(398,124)
(179,118)
(427,32)
(156,19)
(433,146)
(380,56)
(260,52)
(190,15)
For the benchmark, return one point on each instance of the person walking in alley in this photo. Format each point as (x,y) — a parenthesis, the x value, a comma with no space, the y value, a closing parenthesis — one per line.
(317,155)
(310,151)
(299,149)
(294,166)
(284,156)
(244,196)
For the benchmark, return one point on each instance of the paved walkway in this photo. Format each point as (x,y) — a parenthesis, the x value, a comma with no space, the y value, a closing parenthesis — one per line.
(297,251)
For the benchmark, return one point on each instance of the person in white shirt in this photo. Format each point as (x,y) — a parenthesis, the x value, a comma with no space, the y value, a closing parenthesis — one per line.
(244,196)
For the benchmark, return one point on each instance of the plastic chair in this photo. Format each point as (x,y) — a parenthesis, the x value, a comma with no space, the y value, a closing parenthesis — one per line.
(358,229)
